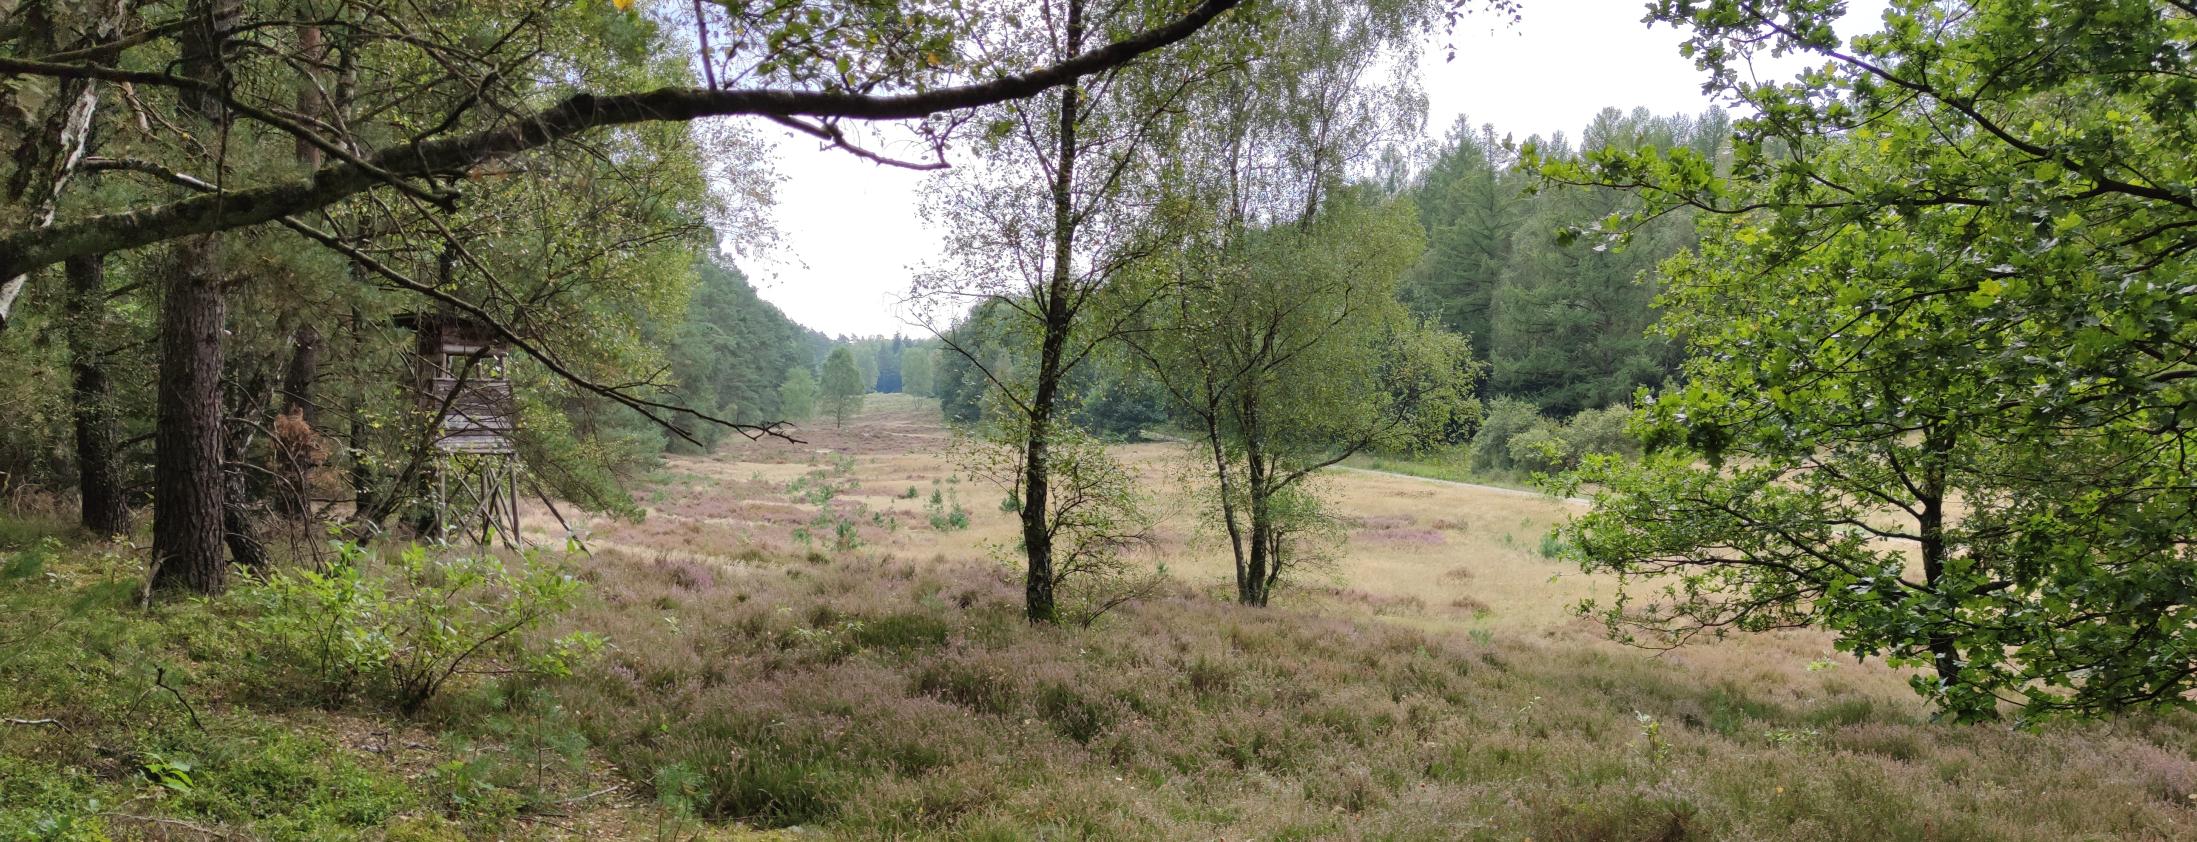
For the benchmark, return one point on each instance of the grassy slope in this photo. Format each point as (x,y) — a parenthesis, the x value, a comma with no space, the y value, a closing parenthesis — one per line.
(1429,688)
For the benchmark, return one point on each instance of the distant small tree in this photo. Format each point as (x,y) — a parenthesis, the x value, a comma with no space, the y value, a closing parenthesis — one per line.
(843,385)
(797,394)
(916,368)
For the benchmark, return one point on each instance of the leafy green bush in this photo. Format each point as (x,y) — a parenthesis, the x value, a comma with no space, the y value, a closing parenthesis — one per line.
(401,638)
(1516,438)
(1505,419)
(1597,431)
(1540,448)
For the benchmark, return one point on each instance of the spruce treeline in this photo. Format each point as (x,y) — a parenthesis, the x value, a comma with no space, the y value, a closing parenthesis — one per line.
(1558,308)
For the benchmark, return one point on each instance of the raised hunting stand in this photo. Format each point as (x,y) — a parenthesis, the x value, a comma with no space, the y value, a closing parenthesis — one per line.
(460,379)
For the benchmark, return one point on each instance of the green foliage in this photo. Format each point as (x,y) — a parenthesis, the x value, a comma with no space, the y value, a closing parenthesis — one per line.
(737,351)
(1292,353)
(402,637)
(1940,340)
(148,720)
(797,394)
(835,525)
(1108,394)
(1517,439)
(944,507)
(1098,516)
(1507,419)
(1429,375)
(918,370)
(1558,308)
(843,386)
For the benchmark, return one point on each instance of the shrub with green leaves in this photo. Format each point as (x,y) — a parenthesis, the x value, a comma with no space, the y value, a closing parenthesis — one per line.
(944,508)
(400,637)
(1504,420)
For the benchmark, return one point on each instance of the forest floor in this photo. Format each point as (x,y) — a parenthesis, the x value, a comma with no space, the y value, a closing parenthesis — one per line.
(1431,683)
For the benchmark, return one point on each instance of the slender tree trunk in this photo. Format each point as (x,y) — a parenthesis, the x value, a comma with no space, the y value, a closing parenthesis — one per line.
(240,492)
(1253,588)
(188,487)
(298,376)
(310,103)
(1037,535)
(295,449)
(1221,475)
(237,529)
(98,480)
(1937,446)
(358,436)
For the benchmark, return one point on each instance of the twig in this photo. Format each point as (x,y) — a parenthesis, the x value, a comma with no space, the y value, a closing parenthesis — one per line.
(160,680)
(190,826)
(596,794)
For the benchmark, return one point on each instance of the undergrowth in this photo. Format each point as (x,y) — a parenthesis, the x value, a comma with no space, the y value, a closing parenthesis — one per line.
(868,697)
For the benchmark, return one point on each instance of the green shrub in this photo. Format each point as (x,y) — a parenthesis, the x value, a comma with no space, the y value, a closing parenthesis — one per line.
(1506,418)
(402,638)
(1516,438)
(945,511)
(1598,431)
(1540,448)
(903,631)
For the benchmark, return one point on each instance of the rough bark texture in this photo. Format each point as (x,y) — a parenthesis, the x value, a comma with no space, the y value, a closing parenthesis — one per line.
(188,487)
(102,510)
(237,527)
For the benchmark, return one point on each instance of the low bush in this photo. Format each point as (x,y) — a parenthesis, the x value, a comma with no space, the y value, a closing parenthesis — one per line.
(400,638)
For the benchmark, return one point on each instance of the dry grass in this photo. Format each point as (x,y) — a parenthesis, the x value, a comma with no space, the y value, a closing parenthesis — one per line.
(1432,685)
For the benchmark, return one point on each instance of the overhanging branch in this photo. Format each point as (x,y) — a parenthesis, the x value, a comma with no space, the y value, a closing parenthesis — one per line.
(653,410)
(22,251)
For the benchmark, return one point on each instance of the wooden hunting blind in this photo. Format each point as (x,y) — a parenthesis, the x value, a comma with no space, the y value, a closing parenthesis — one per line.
(460,375)
(460,379)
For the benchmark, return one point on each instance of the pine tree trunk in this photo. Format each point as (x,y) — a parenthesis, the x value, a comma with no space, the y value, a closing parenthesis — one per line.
(189,489)
(188,486)
(101,508)
(298,376)
(298,455)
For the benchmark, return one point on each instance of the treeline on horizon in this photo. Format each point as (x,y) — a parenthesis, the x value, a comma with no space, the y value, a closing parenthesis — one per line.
(1560,313)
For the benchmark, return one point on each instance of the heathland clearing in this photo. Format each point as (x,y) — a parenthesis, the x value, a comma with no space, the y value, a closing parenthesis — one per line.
(1432,683)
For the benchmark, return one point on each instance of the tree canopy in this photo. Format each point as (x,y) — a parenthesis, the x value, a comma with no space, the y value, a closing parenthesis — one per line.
(1941,336)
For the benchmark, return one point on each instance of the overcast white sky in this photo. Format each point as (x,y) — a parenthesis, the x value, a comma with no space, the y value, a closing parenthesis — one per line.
(850,228)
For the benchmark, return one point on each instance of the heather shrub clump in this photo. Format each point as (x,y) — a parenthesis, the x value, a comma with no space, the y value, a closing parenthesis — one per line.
(939,713)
